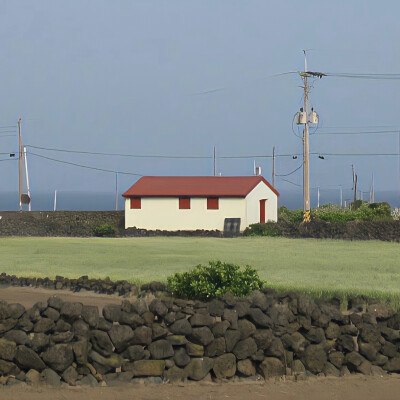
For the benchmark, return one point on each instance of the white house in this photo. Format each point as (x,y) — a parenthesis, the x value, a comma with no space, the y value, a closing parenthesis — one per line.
(199,202)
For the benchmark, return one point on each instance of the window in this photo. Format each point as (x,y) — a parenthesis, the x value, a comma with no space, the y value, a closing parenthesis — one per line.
(184,203)
(136,203)
(212,203)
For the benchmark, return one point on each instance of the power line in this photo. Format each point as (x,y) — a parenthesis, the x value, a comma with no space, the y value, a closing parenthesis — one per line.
(84,166)
(359,133)
(117,154)
(290,173)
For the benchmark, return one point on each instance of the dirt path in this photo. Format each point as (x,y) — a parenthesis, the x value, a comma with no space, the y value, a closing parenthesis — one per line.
(350,388)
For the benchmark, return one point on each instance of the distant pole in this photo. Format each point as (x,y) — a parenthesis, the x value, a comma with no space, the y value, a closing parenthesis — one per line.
(27,180)
(116,191)
(55,200)
(341,196)
(273,166)
(318,197)
(215,161)
(20,165)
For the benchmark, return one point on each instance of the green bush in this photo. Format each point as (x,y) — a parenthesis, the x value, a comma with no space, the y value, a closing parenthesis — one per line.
(214,280)
(104,230)
(290,216)
(268,229)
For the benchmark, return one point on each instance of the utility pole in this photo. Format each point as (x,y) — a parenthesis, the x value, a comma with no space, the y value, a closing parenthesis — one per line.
(304,118)
(20,155)
(27,180)
(116,191)
(318,197)
(273,166)
(341,196)
(354,182)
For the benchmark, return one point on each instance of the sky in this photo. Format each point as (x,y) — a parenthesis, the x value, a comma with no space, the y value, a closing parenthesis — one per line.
(176,78)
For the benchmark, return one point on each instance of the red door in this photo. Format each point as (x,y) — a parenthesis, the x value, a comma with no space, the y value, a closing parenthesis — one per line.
(262,211)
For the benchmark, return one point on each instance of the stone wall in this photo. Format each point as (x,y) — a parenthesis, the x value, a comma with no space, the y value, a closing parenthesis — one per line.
(265,335)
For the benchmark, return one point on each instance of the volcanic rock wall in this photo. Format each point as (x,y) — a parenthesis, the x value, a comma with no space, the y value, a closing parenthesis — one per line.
(265,335)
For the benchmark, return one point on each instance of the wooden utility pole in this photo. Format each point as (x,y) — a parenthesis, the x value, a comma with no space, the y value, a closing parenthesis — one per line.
(20,155)
(306,144)
(116,191)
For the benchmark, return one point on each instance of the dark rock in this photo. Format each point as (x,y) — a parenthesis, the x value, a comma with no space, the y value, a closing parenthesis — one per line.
(242,308)
(16,310)
(246,328)
(148,318)
(305,322)
(202,335)
(216,348)
(394,322)
(368,318)
(104,325)
(71,311)
(225,366)
(181,327)
(315,335)
(389,334)
(122,336)
(388,349)
(280,314)
(220,328)
(39,341)
(27,359)
(134,353)
(90,315)
(62,337)
(380,360)
(381,311)
(17,336)
(158,331)
(101,342)
(175,374)
(44,325)
(157,307)
(357,363)
(198,368)
(216,307)
(80,328)
(201,320)
(351,330)
(230,316)
(194,350)
(55,302)
(154,287)
(368,351)
(7,324)
(355,319)
(332,331)
(110,363)
(112,313)
(70,375)
(346,343)
(142,335)
(296,342)
(145,367)
(8,368)
(231,338)
(7,349)
(246,367)
(331,370)
(336,358)
(177,340)
(314,358)
(245,348)
(181,358)
(50,378)
(258,356)
(118,379)
(370,333)
(58,357)
(139,306)
(88,380)
(263,338)
(170,318)
(259,300)
(62,326)
(80,349)
(131,319)
(161,349)
(272,367)
(229,299)
(51,313)
(275,349)
(393,365)
(259,318)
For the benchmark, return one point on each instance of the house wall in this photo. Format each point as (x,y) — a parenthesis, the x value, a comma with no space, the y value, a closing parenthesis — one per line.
(261,191)
(163,213)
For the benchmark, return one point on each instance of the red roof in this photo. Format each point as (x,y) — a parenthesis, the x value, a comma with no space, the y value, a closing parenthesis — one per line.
(195,186)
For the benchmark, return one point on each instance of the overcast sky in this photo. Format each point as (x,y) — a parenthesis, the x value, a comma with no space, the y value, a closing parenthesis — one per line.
(140,77)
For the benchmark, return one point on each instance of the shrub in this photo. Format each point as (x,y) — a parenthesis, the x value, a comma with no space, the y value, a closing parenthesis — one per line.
(290,216)
(214,280)
(268,229)
(104,230)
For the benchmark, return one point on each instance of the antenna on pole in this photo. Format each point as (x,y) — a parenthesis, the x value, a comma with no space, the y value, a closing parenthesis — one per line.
(20,155)
(27,180)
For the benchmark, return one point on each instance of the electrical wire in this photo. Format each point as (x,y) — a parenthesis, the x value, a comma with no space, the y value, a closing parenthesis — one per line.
(290,173)
(84,166)
(117,154)
(360,133)
(7,135)
(292,183)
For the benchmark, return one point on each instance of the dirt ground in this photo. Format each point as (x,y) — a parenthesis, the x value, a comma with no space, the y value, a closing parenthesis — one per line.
(355,387)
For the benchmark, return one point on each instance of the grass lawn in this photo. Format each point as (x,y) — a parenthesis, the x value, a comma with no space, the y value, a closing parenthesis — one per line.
(315,266)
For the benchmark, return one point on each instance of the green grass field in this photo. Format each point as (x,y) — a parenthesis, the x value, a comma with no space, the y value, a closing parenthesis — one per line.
(315,266)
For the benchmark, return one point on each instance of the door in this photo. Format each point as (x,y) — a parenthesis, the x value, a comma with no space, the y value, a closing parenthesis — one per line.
(262,211)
